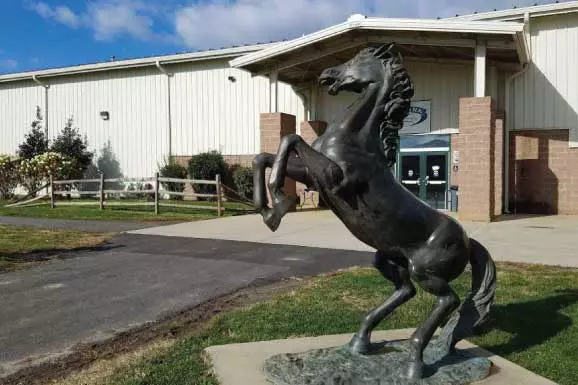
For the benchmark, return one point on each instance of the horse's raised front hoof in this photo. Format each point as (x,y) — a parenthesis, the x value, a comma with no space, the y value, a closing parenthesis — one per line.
(272,219)
(414,370)
(359,345)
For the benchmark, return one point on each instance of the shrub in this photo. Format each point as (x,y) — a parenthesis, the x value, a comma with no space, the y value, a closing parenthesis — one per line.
(206,166)
(70,144)
(35,142)
(9,176)
(172,169)
(109,165)
(243,180)
(35,171)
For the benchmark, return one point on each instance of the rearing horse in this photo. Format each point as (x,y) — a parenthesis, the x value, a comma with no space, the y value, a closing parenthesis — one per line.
(349,165)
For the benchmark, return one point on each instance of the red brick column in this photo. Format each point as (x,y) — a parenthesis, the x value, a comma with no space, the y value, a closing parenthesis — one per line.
(273,127)
(310,130)
(480,160)
(498,161)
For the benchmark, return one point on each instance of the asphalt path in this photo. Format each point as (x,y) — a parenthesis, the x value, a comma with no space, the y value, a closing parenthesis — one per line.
(90,296)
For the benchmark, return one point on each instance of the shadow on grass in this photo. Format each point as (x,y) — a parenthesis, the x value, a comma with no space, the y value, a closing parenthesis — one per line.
(532,323)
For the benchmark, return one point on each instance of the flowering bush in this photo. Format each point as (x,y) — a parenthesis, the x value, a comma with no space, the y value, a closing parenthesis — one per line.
(9,176)
(37,170)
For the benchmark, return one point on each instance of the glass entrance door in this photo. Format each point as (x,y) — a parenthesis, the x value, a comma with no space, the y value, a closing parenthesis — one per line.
(426,175)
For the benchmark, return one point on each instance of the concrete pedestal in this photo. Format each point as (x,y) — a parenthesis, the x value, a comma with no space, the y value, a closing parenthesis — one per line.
(240,364)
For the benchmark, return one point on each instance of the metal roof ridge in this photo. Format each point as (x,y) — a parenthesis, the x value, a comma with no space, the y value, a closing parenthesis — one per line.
(547,9)
(135,63)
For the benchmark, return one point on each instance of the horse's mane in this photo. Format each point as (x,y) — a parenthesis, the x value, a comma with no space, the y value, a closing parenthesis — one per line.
(398,104)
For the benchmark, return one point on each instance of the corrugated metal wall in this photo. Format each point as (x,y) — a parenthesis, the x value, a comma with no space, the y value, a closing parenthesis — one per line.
(136,102)
(212,112)
(443,84)
(546,97)
(208,111)
(18,103)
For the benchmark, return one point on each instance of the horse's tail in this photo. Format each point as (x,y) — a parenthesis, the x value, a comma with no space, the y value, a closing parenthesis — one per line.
(476,307)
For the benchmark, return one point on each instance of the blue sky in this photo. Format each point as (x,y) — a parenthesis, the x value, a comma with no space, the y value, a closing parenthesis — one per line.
(55,33)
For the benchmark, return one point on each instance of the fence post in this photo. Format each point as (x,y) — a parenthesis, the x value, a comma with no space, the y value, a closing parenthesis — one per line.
(219,198)
(102,191)
(52,205)
(157,193)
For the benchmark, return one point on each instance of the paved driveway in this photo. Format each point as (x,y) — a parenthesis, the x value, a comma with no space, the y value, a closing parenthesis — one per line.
(46,310)
(549,240)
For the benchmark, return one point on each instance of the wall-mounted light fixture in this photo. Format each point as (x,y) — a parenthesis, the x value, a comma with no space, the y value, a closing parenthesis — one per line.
(104,115)
(232,79)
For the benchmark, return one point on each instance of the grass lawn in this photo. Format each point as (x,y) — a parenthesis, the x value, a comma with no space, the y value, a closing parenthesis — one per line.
(126,213)
(22,246)
(534,324)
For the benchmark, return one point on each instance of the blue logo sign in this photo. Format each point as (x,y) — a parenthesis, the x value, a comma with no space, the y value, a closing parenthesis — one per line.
(416,116)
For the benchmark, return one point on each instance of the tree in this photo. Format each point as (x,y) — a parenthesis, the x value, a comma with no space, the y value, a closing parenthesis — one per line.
(35,142)
(70,144)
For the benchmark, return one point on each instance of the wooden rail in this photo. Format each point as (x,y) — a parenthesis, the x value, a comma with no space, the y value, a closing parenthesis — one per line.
(155,191)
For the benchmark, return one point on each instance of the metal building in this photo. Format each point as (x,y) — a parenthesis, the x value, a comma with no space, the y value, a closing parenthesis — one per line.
(495,112)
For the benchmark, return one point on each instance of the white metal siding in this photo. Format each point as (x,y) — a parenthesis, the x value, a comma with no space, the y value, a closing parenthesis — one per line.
(136,102)
(18,103)
(211,112)
(546,96)
(443,84)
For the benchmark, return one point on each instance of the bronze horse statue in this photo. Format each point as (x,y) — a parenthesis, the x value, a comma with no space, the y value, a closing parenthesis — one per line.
(349,165)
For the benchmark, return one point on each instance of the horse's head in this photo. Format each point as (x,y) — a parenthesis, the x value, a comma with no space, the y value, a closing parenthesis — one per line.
(381,70)
(369,66)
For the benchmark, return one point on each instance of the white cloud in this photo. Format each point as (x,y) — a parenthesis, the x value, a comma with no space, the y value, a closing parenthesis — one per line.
(111,18)
(60,13)
(8,64)
(215,23)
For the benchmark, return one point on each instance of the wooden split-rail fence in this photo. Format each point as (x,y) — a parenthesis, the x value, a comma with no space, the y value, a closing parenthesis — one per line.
(155,191)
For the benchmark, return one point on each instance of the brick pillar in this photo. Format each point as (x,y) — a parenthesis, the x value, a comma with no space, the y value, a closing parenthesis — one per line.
(480,160)
(310,130)
(498,161)
(273,127)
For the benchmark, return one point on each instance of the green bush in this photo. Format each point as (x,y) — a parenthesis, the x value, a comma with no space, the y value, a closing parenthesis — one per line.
(35,142)
(9,176)
(172,169)
(243,180)
(206,166)
(70,144)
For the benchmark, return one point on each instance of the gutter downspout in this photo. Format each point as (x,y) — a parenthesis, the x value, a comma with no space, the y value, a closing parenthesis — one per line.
(169,109)
(46,87)
(510,121)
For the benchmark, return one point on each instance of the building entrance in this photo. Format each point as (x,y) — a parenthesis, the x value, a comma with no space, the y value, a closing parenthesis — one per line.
(423,168)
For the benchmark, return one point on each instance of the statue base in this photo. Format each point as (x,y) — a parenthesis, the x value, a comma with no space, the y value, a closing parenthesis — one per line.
(384,365)
(269,362)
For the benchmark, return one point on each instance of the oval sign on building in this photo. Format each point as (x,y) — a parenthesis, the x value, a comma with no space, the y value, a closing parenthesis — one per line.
(418,121)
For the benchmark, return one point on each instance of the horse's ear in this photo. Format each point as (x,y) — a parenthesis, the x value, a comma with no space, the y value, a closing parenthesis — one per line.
(384,50)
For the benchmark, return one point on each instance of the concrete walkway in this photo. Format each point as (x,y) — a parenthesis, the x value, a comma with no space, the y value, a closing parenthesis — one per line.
(551,240)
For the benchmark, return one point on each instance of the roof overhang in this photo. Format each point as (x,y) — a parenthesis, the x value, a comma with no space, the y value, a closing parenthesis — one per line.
(225,53)
(299,60)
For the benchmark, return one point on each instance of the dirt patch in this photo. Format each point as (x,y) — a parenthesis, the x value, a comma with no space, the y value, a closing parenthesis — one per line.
(175,325)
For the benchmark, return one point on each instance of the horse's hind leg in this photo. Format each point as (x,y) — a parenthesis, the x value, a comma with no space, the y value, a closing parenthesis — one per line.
(447,301)
(404,291)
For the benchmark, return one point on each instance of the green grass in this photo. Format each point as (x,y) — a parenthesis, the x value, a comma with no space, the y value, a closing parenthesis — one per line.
(21,247)
(534,323)
(123,213)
